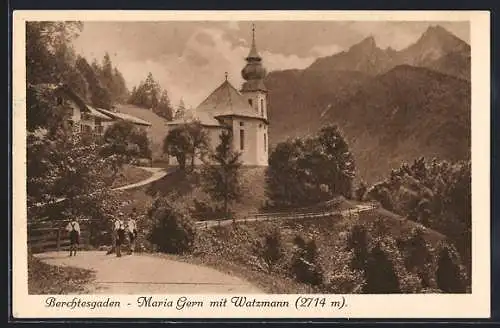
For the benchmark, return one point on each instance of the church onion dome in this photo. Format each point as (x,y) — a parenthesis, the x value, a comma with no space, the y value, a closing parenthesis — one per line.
(253,70)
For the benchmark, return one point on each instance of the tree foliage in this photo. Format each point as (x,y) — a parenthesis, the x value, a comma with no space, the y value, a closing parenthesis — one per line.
(124,142)
(185,142)
(173,229)
(222,173)
(50,59)
(436,194)
(306,171)
(149,94)
(305,266)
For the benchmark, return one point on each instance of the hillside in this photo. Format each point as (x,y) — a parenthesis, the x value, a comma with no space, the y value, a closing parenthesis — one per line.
(391,105)
(215,247)
(403,114)
(158,130)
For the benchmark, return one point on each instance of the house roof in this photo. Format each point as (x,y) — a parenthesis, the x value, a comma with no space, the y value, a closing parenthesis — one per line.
(124,116)
(95,113)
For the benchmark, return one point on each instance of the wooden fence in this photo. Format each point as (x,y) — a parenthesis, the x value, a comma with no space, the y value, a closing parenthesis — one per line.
(44,237)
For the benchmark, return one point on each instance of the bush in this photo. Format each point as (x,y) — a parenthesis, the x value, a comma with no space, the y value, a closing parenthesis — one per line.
(272,250)
(358,243)
(449,274)
(380,274)
(173,229)
(305,266)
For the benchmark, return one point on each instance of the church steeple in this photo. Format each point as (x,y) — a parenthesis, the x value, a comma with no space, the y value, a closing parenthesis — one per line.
(253,72)
(253,54)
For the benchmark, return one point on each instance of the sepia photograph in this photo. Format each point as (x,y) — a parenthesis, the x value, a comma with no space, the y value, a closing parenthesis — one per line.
(248,156)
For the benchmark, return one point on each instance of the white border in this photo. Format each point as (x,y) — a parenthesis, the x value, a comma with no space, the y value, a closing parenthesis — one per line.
(474,305)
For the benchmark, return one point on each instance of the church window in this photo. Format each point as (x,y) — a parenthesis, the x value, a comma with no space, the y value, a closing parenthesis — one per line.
(250,102)
(242,139)
(242,124)
(262,107)
(265,142)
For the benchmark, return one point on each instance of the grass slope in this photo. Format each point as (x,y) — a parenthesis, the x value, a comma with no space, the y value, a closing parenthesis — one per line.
(216,246)
(46,279)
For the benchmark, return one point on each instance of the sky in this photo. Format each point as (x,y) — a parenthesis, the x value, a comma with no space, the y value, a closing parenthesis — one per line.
(189,59)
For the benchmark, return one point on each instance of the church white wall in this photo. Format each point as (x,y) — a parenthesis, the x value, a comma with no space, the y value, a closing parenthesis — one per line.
(253,152)
(259,102)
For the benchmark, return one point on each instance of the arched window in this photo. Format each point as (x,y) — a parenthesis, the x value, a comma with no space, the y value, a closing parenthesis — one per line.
(250,102)
(265,142)
(262,107)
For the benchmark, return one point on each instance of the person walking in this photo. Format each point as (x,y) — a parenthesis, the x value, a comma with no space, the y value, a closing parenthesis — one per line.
(120,234)
(132,230)
(73,228)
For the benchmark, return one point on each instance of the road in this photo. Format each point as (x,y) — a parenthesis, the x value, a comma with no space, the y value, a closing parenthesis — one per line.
(158,173)
(149,274)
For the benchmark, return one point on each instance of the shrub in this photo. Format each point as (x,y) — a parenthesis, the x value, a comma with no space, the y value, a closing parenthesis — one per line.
(358,243)
(173,229)
(305,266)
(380,275)
(449,274)
(272,250)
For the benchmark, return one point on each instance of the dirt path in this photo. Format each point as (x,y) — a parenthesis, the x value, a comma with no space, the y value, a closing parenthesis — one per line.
(146,274)
(158,173)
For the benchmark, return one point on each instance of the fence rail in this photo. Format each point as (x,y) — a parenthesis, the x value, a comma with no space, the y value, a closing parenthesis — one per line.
(285,216)
(55,238)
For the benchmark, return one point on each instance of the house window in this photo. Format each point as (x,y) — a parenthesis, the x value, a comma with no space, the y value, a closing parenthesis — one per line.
(262,107)
(265,142)
(242,139)
(250,102)
(97,121)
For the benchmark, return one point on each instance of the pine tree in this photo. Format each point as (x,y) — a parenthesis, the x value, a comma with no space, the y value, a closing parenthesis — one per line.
(164,108)
(221,179)
(380,274)
(448,273)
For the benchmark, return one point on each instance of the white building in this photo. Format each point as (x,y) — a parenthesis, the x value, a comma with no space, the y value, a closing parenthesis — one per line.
(242,112)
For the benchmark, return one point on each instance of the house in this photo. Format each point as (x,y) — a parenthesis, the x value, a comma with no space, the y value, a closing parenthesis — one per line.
(84,118)
(243,112)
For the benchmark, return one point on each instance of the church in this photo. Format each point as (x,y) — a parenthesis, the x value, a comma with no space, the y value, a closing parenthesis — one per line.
(243,112)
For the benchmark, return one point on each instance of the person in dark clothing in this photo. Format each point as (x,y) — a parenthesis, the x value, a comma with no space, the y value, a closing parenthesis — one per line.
(120,234)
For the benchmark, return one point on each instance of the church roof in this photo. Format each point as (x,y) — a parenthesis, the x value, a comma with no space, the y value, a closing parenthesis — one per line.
(225,100)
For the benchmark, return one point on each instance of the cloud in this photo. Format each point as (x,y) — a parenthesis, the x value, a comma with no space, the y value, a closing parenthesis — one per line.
(326,50)
(201,65)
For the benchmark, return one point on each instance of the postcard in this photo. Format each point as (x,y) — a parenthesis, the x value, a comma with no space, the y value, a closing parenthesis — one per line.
(251,164)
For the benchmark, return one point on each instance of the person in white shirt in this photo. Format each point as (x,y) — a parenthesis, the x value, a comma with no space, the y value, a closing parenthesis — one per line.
(73,228)
(117,235)
(132,230)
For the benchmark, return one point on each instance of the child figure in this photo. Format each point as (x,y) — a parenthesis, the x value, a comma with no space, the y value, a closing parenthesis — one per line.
(73,228)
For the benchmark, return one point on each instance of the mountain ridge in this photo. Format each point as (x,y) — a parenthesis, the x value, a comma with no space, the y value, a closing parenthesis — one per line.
(398,105)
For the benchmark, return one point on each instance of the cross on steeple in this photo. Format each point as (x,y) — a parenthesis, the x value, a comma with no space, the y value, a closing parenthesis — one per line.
(225,74)
(253,32)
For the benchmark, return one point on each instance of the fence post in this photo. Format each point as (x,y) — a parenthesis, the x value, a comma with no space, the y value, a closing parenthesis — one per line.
(58,242)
